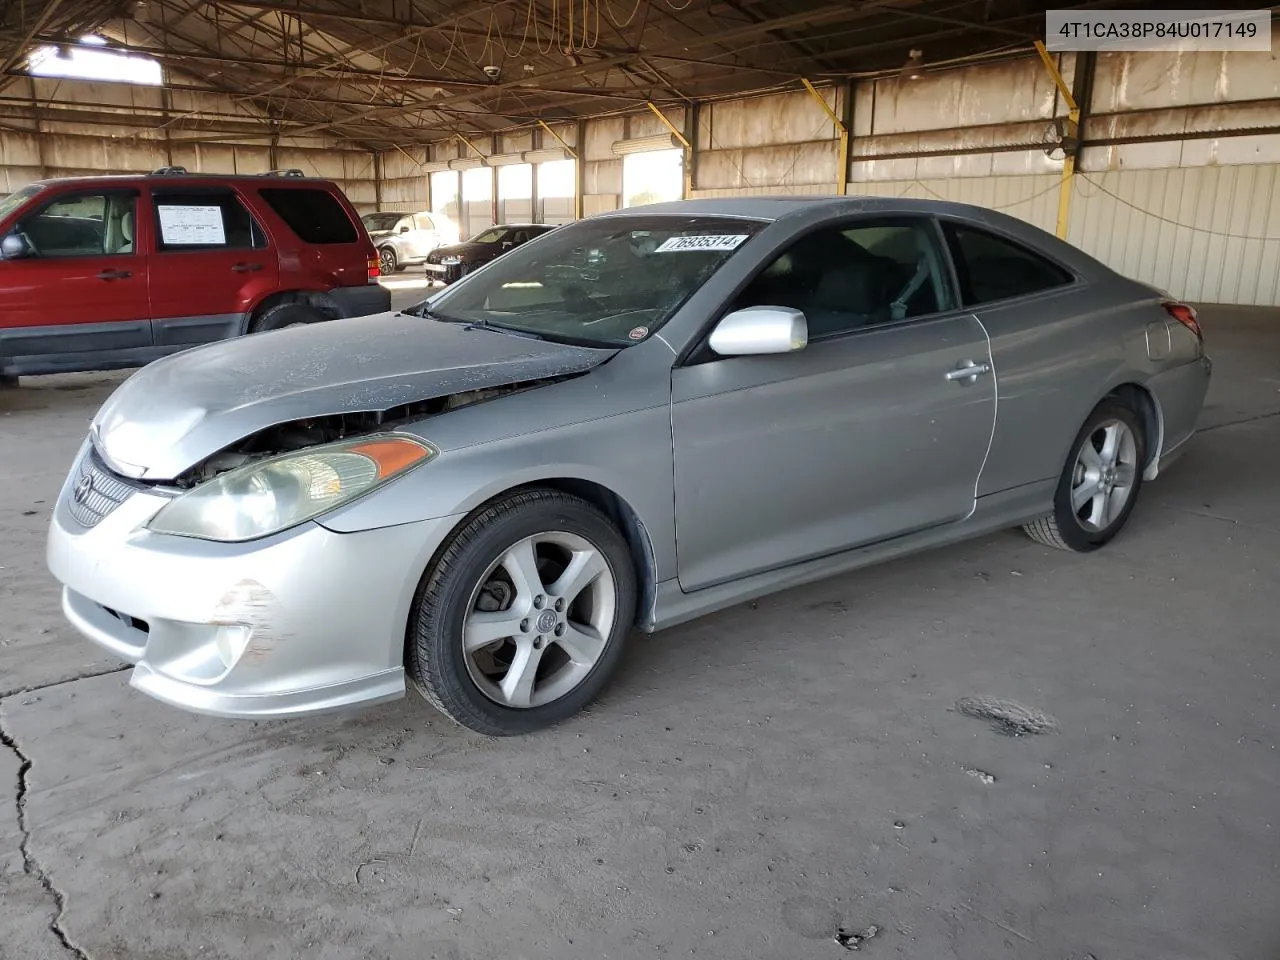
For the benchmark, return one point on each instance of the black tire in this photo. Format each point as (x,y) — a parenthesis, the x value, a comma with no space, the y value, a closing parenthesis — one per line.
(285,315)
(1064,528)
(435,657)
(388,262)
(8,381)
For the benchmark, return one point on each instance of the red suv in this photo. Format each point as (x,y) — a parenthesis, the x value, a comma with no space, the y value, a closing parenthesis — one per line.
(100,273)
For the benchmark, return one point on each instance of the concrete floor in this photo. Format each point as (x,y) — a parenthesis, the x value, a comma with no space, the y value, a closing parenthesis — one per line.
(751,784)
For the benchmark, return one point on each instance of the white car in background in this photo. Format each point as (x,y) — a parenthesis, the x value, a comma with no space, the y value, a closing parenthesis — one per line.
(404,239)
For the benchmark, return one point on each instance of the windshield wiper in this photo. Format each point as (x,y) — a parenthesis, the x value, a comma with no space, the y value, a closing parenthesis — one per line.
(499,328)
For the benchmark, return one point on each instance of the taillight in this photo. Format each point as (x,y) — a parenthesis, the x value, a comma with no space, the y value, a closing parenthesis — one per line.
(1185,315)
(375,269)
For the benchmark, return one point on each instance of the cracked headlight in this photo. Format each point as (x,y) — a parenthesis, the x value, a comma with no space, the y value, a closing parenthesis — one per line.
(268,496)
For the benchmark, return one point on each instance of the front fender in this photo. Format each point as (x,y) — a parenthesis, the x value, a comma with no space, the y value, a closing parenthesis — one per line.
(628,454)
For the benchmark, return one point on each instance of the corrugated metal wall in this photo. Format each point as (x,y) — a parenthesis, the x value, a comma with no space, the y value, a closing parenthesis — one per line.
(101,139)
(1209,234)
(1178,189)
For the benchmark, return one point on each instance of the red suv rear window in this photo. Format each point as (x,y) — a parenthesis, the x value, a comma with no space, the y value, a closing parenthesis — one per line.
(315,216)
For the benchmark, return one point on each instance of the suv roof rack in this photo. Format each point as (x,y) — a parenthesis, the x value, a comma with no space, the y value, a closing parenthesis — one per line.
(169,172)
(291,172)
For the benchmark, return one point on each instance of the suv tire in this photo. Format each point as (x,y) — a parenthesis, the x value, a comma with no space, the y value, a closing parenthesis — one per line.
(285,315)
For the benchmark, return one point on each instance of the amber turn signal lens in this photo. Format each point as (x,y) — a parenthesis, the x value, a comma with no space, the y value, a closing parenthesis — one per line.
(392,454)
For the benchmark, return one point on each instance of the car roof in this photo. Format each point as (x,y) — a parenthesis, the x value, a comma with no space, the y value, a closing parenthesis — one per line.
(183,179)
(777,207)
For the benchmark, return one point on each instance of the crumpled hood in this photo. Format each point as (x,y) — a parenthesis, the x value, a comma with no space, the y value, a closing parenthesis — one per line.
(177,411)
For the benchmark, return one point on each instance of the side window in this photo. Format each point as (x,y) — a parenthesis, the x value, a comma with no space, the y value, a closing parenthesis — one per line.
(992,268)
(857,275)
(81,225)
(314,215)
(204,220)
(424,222)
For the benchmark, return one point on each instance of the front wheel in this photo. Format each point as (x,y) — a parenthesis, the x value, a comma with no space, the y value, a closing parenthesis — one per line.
(388,263)
(1100,483)
(523,618)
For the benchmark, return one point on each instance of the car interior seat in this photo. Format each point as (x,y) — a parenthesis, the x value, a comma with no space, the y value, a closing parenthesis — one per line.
(126,233)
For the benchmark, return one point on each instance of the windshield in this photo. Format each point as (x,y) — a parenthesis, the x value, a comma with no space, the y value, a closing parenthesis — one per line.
(607,282)
(492,235)
(16,199)
(380,221)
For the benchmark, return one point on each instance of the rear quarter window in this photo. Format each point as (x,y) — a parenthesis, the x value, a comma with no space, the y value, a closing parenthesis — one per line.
(993,268)
(315,216)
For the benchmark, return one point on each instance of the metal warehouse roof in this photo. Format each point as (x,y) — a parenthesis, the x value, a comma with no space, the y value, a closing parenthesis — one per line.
(383,73)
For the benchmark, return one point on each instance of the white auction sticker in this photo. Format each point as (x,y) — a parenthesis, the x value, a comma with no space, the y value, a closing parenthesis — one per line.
(191,226)
(720,241)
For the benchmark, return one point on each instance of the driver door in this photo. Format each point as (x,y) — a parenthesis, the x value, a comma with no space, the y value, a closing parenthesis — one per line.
(82,287)
(867,433)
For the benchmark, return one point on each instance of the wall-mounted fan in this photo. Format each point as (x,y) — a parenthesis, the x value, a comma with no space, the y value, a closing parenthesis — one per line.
(1060,138)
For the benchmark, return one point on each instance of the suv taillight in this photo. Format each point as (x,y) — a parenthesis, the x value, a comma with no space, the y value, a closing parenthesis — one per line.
(375,269)
(1185,315)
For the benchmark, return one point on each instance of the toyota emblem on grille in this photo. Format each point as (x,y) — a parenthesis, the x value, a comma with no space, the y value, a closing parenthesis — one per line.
(83,488)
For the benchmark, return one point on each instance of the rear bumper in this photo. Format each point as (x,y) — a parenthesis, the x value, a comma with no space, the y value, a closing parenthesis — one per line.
(361,301)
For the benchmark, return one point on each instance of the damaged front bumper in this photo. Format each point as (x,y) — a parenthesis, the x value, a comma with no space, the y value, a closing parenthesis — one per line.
(305,621)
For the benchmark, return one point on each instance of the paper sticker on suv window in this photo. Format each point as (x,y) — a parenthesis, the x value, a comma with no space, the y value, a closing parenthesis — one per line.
(721,241)
(189,225)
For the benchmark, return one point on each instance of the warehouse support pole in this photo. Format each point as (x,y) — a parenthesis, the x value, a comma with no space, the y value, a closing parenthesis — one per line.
(842,131)
(1070,139)
(687,187)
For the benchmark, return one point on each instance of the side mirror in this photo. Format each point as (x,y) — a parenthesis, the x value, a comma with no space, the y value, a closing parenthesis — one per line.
(755,330)
(13,247)
(404,229)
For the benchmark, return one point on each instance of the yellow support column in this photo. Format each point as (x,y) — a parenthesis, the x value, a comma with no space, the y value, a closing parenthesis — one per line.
(688,148)
(842,175)
(1073,131)
(577,176)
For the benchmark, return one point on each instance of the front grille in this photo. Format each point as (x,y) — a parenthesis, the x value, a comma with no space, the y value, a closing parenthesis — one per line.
(95,491)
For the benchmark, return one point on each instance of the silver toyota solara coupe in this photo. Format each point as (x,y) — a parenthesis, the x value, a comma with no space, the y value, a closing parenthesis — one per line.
(629,422)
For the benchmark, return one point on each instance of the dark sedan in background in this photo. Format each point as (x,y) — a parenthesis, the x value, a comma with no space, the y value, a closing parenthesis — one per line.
(458,259)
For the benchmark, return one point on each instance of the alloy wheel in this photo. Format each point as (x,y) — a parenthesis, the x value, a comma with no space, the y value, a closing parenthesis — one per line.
(1103,476)
(539,619)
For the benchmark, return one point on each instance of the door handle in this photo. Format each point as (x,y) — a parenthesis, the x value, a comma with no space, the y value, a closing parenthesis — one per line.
(246,267)
(969,371)
(114,275)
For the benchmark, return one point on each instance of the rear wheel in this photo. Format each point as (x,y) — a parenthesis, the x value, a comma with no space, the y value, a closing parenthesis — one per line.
(285,315)
(1100,483)
(523,618)
(388,263)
